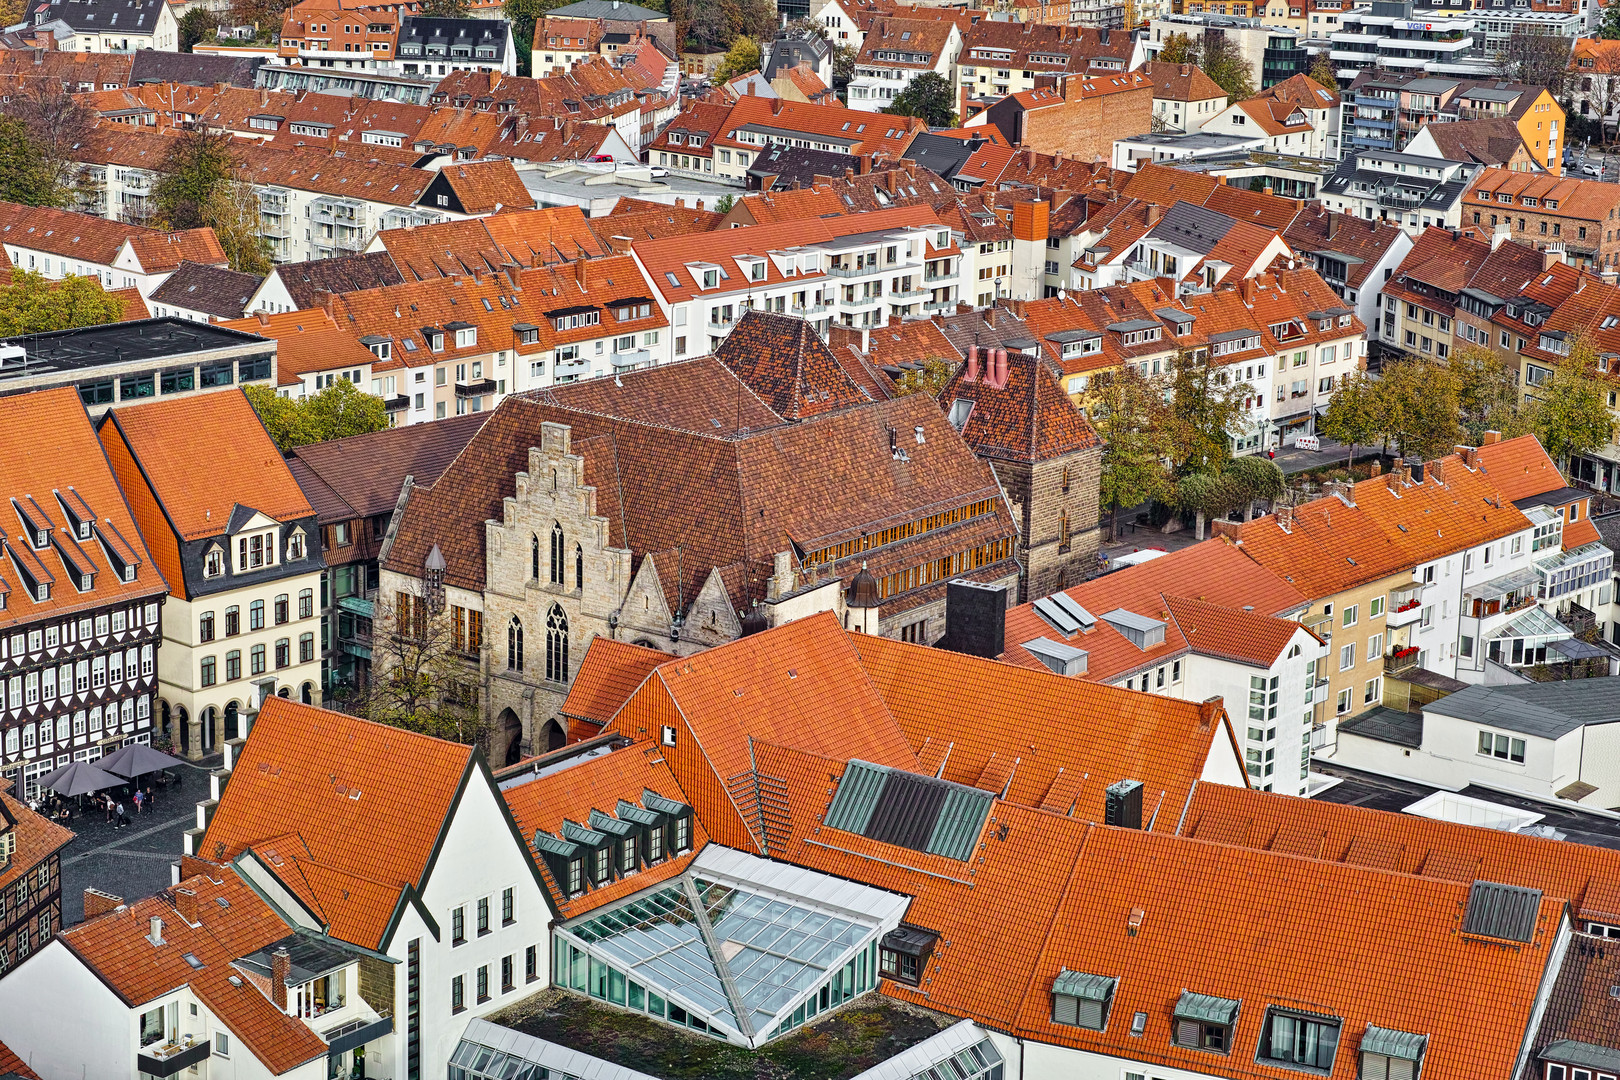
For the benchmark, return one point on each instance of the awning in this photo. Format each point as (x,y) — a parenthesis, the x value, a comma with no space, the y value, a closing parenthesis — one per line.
(1080,985)
(1392,1043)
(1211,1010)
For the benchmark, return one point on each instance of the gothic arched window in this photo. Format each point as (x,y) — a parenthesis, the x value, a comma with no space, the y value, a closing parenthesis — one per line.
(514,644)
(556,645)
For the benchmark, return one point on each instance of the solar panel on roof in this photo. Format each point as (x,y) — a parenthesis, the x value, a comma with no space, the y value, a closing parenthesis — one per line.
(1501,911)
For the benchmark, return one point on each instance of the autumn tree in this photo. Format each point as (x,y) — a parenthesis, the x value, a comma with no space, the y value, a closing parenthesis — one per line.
(25,175)
(31,304)
(1225,64)
(1323,72)
(1208,407)
(340,410)
(1419,406)
(929,379)
(928,96)
(1131,416)
(446,9)
(1487,394)
(1178,49)
(1569,412)
(1353,415)
(57,124)
(741,58)
(233,213)
(419,680)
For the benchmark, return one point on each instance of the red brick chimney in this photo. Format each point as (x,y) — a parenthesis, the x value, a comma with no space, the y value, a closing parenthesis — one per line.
(972,375)
(97,903)
(280,972)
(1491,438)
(1154,212)
(581,275)
(185,903)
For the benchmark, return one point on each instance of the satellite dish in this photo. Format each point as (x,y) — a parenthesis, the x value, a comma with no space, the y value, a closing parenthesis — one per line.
(1061,295)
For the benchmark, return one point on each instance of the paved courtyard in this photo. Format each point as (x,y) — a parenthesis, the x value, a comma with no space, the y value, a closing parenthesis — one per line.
(131,862)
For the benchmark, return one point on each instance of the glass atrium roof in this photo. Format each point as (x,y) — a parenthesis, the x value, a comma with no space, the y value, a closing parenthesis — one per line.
(740,943)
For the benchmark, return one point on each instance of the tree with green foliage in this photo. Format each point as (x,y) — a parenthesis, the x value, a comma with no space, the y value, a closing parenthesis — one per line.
(1419,405)
(446,9)
(57,124)
(340,410)
(31,304)
(1569,412)
(198,25)
(1207,409)
(928,96)
(25,175)
(1609,26)
(1204,495)
(233,213)
(1131,416)
(741,58)
(1353,415)
(197,162)
(724,203)
(1253,478)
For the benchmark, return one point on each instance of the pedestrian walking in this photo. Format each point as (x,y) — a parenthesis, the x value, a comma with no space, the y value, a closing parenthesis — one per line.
(122,820)
(138,799)
(150,802)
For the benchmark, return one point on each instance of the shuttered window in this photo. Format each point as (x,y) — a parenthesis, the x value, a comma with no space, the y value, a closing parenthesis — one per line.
(1379,1067)
(1077,1012)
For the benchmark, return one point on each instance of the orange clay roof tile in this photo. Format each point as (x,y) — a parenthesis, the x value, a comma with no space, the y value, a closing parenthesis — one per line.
(197,476)
(609,674)
(358,796)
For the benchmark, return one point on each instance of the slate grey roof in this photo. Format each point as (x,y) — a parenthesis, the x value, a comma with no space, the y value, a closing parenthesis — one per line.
(606,9)
(1546,710)
(1194,227)
(479,33)
(109,16)
(194,69)
(939,153)
(212,290)
(790,52)
(346,273)
(785,164)
(1386,725)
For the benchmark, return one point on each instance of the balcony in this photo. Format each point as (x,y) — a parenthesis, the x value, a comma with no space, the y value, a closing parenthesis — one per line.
(475,388)
(1397,202)
(1400,662)
(915,292)
(802,310)
(140,183)
(946,275)
(397,403)
(940,305)
(356,1034)
(358,605)
(1403,613)
(851,271)
(166,1059)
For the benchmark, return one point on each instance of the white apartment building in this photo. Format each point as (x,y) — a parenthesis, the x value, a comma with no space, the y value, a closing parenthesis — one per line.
(897,51)
(242,624)
(1408,190)
(865,271)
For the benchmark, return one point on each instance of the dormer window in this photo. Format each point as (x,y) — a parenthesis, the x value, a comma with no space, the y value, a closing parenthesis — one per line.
(1299,1039)
(467,337)
(255,552)
(295,545)
(213,563)
(1205,1023)
(711,278)
(1081,1000)
(903,953)
(526,334)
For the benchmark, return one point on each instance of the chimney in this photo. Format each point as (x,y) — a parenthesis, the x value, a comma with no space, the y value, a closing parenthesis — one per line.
(1001,369)
(156,936)
(1500,235)
(1376,468)
(975,618)
(1468,455)
(1332,224)
(1122,804)
(580,274)
(97,903)
(1285,518)
(280,972)
(972,365)
(1491,438)
(185,902)
(323,299)
(191,866)
(1232,530)
(1154,212)
(1434,471)
(1553,255)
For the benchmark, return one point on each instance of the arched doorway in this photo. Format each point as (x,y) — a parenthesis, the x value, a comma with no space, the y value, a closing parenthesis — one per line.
(552,736)
(233,723)
(307,694)
(284,692)
(508,748)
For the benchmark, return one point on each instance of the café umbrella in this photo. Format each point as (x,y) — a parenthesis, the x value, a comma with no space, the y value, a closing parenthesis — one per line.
(79,778)
(136,759)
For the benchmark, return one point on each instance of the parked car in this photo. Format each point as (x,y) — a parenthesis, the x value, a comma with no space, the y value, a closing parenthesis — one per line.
(658,170)
(1592,170)
(602,157)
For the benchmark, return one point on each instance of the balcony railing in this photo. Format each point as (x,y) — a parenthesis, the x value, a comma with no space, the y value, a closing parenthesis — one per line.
(167,1059)
(1396,202)
(1398,662)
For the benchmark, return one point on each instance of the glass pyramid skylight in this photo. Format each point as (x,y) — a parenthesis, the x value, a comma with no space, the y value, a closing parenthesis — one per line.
(738,947)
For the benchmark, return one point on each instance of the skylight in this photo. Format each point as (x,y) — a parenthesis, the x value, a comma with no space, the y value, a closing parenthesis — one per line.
(721,952)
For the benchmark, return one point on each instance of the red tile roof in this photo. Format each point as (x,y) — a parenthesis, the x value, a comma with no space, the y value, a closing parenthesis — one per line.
(10,1063)
(1030,419)
(520,238)
(352,805)
(609,674)
(200,477)
(47,445)
(37,839)
(572,791)
(785,362)
(485,187)
(1027,734)
(1519,468)
(118,948)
